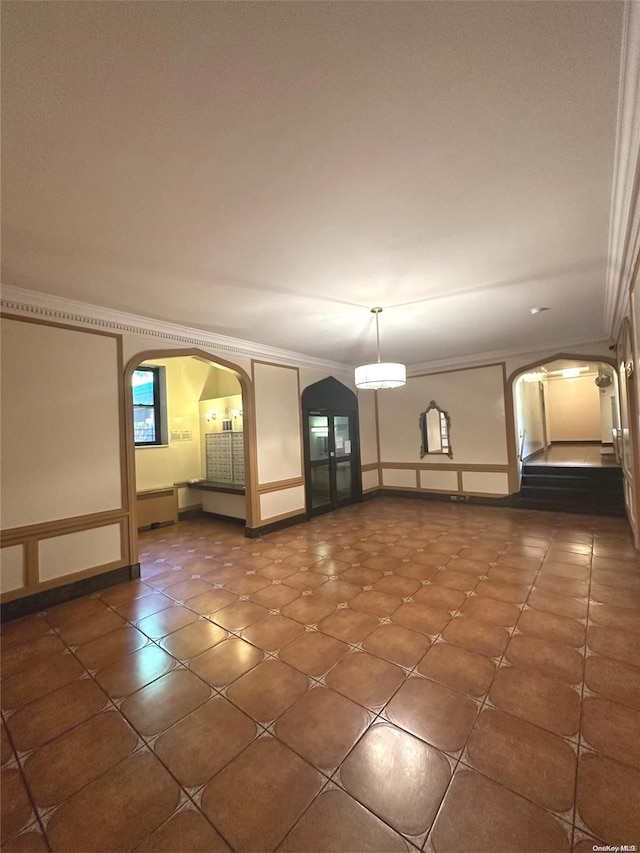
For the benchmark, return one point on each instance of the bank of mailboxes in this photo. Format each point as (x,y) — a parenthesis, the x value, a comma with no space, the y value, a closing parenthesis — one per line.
(225,457)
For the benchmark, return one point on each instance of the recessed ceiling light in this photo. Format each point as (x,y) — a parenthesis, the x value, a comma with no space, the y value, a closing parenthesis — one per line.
(538,310)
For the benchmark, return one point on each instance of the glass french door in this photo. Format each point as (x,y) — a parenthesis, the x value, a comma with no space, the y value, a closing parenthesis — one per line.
(331,451)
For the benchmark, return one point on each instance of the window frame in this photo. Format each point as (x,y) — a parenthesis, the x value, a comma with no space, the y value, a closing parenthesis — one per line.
(159,405)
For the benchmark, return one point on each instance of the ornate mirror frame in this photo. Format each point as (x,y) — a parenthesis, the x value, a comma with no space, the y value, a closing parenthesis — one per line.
(440,431)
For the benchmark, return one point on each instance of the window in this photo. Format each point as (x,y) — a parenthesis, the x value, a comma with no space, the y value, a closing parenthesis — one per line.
(149,409)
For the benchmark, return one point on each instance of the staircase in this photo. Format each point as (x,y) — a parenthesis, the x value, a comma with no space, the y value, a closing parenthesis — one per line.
(572,488)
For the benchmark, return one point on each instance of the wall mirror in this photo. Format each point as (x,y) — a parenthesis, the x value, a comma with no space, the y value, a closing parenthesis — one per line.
(435,429)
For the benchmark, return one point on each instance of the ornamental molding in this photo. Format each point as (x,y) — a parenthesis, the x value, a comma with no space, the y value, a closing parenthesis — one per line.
(588,346)
(28,302)
(624,229)
(24,302)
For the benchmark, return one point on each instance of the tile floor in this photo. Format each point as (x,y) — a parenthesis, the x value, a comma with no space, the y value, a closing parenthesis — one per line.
(399,675)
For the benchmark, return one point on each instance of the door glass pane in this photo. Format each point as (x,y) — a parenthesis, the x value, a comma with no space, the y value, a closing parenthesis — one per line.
(319,457)
(318,437)
(344,479)
(320,486)
(342,435)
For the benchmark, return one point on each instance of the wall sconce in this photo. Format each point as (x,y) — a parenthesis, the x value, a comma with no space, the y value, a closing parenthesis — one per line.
(212,415)
(237,413)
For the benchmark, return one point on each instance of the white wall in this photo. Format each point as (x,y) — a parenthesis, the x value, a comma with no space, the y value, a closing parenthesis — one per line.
(12,568)
(475,402)
(62,556)
(574,408)
(629,350)
(63,492)
(278,434)
(368,431)
(220,503)
(530,415)
(635,331)
(607,421)
(60,423)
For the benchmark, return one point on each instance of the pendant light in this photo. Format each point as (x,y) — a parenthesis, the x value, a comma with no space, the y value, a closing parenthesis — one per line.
(382,374)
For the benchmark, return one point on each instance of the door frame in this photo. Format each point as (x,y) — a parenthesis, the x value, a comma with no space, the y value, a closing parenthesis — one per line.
(332,461)
(515,464)
(330,398)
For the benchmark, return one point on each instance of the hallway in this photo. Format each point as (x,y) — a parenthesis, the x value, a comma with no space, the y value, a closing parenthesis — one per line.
(398,675)
(584,453)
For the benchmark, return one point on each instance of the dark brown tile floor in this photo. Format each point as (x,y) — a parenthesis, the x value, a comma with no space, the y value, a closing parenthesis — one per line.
(399,675)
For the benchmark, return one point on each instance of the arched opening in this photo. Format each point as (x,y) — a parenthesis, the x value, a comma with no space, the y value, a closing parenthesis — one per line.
(212,401)
(331,446)
(567,422)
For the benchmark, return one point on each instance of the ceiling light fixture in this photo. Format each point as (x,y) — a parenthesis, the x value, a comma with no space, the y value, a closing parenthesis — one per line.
(382,374)
(573,372)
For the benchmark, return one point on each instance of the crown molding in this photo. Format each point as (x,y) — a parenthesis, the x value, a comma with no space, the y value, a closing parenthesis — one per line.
(29,302)
(21,301)
(584,345)
(624,229)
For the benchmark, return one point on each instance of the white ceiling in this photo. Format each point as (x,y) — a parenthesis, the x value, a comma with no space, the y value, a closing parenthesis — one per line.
(270,171)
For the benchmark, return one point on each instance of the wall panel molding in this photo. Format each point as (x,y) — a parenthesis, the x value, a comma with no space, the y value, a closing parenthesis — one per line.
(458,471)
(60,527)
(278,485)
(32,535)
(440,466)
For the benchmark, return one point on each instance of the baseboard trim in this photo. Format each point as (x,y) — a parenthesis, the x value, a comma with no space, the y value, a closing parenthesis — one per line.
(256,532)
(19,607)
(444,497)
(190,512)
(593,441)
(155,525)
(232,518)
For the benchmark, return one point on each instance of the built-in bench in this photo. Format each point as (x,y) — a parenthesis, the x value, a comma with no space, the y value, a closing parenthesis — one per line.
(160,506)
(226,500)
(212,486)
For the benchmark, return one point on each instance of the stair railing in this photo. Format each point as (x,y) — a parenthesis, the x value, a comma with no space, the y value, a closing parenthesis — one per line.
(523,435)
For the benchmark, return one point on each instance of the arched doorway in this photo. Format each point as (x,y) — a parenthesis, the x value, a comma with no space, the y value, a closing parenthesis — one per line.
(331,446)
(246,412)
(567,415)
(557,400)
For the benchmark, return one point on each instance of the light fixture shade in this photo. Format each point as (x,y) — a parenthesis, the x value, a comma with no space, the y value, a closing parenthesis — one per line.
(380,375)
